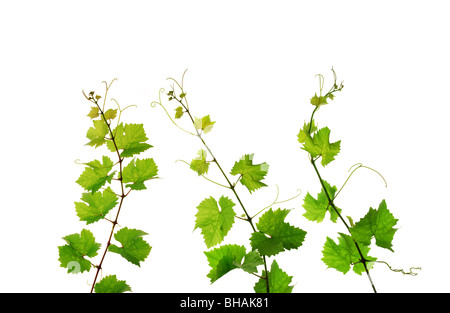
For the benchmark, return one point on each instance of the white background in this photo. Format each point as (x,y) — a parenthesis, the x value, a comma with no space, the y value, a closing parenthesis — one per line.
(251,66)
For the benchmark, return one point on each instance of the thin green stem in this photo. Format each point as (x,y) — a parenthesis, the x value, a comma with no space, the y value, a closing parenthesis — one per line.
(181,86)
(401,270)
(121,110)
(311,120)
(359,165)
(277,202)
(159,102)
(321,82)
(330,201)
(205,176)
(106,93)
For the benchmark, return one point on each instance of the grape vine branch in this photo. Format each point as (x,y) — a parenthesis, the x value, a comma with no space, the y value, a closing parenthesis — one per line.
(352,249)
(125,141)
(271,235)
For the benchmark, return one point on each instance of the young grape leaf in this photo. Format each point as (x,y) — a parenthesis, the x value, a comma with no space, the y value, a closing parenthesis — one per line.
(93,113)
(179,112)
(95,175)
(204,124)
(278,281)
(224,259)
(376,223)
(129,138)
(137,172)
(134,249)
(199,164)
(96,205)
(110,114)
(214,222)
(341,256)
(275,235)
(319,144)
(110,284)
(316,209)
(72,255)
(97,133)
(318,100)
(306,132)
(251,174)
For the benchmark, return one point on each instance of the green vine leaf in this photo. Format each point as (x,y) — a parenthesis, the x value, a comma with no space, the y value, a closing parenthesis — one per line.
(110,284)
(96,205)
(214,222)
(229,257)
(72,255)
(251,261)
(345,254)
(278,281)
(318,100)
(97,133)
(251,174)
(306,132)
(129,138)
(134,249)
(319,144)
(138,171)
(94,112)
(205,124)
(376,223)
(275,235)
(199,164)
(224,259)
(317,208)
(110,114)
(96,174)
(179,112)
